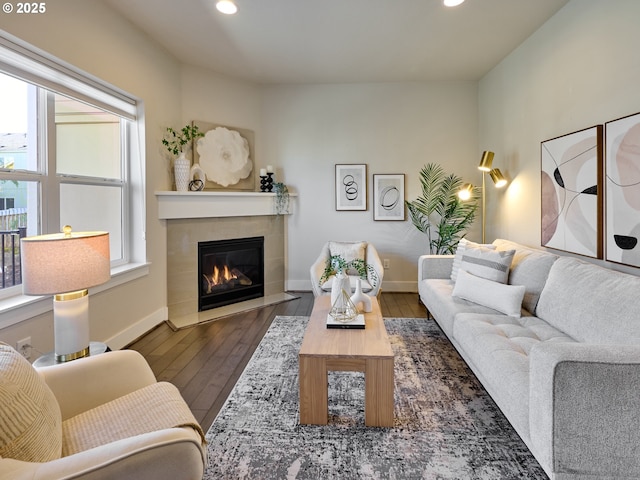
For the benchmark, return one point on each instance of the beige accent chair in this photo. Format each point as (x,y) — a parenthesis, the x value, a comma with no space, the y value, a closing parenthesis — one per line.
(100,417)
(349,251)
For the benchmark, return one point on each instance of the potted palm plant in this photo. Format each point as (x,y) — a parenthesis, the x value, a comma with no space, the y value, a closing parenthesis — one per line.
(439,212)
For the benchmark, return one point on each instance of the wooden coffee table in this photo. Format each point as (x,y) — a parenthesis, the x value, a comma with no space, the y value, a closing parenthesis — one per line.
(367,351)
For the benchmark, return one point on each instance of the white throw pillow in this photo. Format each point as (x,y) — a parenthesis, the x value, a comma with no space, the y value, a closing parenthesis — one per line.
(506,299)
(349,251)
(457,259)
(486,263)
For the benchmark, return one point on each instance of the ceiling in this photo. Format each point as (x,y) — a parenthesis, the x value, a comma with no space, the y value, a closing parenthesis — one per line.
(341,41)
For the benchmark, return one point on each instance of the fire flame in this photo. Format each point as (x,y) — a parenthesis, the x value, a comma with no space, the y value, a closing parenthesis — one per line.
(220,276)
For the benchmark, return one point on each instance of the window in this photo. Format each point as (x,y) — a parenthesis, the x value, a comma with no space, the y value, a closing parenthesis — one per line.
(69,155)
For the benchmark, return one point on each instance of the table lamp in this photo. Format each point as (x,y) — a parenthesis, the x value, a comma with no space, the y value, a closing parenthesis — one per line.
(66,265)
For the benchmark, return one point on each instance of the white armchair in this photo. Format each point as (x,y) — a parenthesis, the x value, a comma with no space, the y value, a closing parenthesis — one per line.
(100,417)
(349,250)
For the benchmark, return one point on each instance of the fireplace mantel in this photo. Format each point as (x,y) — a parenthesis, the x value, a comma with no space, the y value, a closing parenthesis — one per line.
(216,204)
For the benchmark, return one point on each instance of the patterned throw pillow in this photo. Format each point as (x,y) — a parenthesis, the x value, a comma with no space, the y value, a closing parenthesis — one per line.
(31,426)
(486,263)
(457,259)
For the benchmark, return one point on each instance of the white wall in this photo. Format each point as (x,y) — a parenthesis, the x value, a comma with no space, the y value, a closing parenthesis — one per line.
(393,128)
(580,69)
(92,37)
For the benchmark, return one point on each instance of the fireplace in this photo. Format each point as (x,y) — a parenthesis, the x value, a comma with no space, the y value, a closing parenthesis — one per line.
(230,271)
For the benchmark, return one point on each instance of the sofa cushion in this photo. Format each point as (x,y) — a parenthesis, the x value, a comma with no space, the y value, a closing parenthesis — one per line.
(591,304)
(457,258)
(503,298)
(349,251)
(487,263)
(497,348)
(30,419)
(530,268)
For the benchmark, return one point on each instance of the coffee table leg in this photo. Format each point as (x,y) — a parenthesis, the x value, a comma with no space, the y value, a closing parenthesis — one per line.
(314,409)
(378,392)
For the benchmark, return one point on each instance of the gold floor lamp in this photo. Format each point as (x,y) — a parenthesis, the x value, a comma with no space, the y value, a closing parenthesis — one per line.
(498,180)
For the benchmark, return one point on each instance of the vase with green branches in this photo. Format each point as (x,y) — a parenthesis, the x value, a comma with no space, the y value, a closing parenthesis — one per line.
(176,142)
(439,212)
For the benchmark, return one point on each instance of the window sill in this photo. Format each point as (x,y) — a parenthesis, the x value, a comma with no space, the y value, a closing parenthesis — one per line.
(18,308)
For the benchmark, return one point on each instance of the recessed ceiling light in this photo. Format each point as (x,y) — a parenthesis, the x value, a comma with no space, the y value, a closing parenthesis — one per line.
(226,6)
(452,3)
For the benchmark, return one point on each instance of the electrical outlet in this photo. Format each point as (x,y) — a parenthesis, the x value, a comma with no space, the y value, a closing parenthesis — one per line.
(386,263)
(24,347)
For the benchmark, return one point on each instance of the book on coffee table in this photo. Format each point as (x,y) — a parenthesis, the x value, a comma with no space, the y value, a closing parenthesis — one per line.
(357,323)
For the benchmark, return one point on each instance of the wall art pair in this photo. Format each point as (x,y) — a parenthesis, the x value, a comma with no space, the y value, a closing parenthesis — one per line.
(388,192)
(590,191)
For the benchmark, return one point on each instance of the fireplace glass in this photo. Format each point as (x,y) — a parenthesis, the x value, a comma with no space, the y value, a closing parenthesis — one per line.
(230,271)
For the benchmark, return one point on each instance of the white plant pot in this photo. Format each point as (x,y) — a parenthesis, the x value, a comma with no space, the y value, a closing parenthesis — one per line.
(340,282)
(181,171)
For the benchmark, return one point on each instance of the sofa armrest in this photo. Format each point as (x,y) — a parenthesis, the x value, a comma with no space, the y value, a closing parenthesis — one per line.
(583,405)
(434,266)
(85,383)
(174,453)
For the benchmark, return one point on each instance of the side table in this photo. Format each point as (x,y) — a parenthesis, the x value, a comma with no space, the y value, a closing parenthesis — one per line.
(48,359)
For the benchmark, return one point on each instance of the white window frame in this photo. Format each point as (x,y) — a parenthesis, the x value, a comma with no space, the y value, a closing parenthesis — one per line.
(28,63)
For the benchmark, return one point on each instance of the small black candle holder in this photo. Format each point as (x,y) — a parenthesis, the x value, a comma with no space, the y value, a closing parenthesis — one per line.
(269,181)
(263,183)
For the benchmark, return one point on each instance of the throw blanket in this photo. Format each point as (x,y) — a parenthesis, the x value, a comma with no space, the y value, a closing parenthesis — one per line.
(152,408)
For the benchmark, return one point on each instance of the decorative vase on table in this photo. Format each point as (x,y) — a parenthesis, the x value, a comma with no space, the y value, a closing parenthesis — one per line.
(181,171)
(340,283)
(359,297)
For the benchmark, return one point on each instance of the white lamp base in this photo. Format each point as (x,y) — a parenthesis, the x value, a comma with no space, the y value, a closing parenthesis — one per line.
(71,325)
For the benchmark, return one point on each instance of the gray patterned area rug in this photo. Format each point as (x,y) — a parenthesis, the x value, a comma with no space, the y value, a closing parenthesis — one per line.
(446,425)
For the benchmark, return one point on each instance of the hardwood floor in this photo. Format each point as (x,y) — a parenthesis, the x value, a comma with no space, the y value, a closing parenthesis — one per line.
(205,361)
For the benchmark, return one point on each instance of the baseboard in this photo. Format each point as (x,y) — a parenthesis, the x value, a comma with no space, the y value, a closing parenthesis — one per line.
(135,331)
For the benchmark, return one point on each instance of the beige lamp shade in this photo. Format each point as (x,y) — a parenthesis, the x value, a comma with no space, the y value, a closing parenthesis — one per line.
(486,161)
(64,262)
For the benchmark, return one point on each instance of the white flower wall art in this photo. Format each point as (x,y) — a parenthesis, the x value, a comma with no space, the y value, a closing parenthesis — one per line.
(225,156)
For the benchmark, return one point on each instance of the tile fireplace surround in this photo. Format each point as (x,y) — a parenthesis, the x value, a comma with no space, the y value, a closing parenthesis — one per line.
(194,217)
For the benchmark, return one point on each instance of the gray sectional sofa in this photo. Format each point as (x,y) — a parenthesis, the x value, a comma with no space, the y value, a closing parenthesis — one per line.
(566,374)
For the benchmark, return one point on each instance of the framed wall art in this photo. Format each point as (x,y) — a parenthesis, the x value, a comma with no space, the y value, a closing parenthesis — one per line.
(351,186)
(388,197)
(226,156)
(622,190)
(572,199)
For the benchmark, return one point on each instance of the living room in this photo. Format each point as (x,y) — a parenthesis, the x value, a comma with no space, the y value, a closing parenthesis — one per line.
(578,69)
(573,72)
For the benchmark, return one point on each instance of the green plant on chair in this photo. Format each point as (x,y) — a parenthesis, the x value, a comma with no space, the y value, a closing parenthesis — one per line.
(336,264)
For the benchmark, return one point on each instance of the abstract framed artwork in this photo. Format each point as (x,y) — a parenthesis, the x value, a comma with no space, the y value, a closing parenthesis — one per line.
(571,192)
(622,190)
(351,186)
(388,197)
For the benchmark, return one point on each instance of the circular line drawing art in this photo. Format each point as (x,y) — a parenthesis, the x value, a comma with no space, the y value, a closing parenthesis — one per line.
(224,156)
(389,197)
(350,187)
